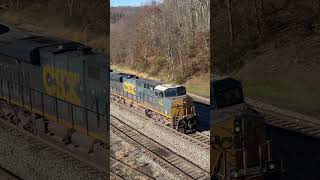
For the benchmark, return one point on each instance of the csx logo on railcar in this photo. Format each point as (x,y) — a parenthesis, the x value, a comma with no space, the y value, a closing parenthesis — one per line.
(61,83)
(129,88)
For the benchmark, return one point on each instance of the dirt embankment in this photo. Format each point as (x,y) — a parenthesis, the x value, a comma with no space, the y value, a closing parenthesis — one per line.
(82,22)
(275,51)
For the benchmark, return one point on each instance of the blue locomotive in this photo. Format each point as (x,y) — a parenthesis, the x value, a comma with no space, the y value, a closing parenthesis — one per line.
(59,80)
(166,103)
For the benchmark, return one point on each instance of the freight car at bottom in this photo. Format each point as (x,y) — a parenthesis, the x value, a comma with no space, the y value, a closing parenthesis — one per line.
(166,103)
(56,81)
(239,146)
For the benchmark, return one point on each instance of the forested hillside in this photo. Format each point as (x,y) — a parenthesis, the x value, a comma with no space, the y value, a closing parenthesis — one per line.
(168,40)
(273,47)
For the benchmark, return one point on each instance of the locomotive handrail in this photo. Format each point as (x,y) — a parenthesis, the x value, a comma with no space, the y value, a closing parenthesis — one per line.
(32,91)
(61,100)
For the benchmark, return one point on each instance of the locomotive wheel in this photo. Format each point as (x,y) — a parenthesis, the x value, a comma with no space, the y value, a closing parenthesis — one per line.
(182,127)
(148,113)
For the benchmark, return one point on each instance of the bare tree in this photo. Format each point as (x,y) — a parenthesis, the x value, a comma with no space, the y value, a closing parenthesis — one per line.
(70,6)
(230,21)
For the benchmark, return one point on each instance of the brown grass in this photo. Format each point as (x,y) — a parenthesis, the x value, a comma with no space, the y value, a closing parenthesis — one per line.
(286,75)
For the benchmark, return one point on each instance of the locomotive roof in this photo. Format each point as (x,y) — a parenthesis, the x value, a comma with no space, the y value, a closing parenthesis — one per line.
(164,87)
(118,75)
(151,82)
(226,83)
(22,48)
(24,45)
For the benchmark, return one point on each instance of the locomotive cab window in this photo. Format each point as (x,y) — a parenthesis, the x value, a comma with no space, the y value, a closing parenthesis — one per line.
(171,92)
(159,94)
(229,97)
(181,91)
(94,72)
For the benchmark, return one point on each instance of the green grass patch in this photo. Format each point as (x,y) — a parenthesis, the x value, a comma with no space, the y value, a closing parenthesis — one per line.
(297,96)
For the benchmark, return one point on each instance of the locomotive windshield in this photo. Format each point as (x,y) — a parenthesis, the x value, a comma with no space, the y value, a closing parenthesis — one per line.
(181,91)
(3,29)
(227,92)
(229,97)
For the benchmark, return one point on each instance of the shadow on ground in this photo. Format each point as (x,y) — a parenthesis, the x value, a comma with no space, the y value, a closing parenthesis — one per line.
(203,123)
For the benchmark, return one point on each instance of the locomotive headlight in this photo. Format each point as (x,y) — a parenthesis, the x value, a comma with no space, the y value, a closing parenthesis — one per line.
(237,129)
(271,166)
(234,173)
(237,125)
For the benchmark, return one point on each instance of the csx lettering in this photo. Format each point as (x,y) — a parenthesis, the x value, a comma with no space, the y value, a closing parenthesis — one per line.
(129,88)
(61,83)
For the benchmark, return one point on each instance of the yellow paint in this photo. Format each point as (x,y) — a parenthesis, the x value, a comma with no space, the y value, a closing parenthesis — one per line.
(252,131)
(62,122)
(178,109)
(160,102)
(129,88)
(57,89)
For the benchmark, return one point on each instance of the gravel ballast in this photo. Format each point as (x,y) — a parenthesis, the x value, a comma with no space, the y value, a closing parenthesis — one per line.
(148,127)
(34,161)
(136,157)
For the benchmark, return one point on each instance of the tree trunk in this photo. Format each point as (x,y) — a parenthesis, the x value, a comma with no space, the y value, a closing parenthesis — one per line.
(230,22)
(258,20)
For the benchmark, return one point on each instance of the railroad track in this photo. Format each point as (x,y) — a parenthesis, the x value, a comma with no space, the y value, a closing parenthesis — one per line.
(137,171)
(89,161)
(200,137)
(46,146)
(286,119)
(79,162)
(297,123)
(197,138)
(176,164)
(281,118)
